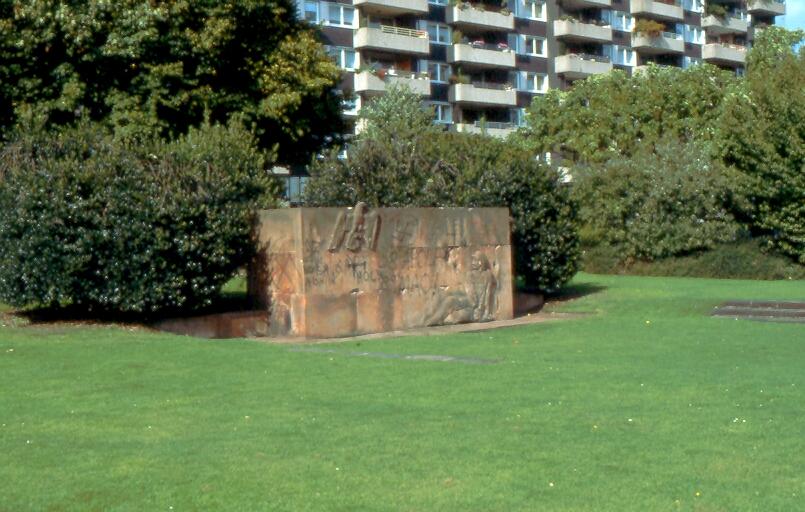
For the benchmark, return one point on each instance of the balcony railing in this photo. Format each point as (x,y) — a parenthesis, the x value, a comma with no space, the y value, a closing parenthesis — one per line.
(480,45)
(402,31)
(494,125)
(594,58)
(493,85)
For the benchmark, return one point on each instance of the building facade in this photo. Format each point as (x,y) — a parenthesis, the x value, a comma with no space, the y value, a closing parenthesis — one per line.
(480,63)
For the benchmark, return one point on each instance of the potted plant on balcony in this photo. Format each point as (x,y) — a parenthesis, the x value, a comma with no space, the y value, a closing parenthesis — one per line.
(648,28)
(504,7)
(502,46)
(716,10)
(458,78)
(457,37)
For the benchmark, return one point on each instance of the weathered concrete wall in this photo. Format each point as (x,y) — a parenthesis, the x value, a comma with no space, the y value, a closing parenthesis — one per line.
(326,272)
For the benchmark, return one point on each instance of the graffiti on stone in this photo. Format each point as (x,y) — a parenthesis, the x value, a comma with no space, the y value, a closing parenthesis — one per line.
(356,230)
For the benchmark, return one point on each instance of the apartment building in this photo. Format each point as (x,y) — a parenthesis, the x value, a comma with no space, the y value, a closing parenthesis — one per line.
(480,63)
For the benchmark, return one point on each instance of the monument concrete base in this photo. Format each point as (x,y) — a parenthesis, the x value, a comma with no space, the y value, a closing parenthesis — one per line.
(333,272)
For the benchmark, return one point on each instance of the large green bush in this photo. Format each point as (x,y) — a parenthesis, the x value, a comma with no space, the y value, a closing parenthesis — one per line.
(107,225)
(401,159)
(763,137)
(671,201)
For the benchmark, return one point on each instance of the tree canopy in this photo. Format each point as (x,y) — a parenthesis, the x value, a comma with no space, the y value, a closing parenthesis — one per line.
(165,65)
(614,114)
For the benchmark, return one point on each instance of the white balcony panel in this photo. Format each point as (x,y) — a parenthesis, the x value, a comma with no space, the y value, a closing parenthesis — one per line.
(370,84)
(574,67)
(657,10)
(393,7)
(392,39)
(482,96)
(480,19)
(766,7)
(718,53)
(470,56)
(726,25)
(500,130)
(583,32)
(658,45)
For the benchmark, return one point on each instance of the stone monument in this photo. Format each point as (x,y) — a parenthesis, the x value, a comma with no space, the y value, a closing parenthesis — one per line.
(328,272)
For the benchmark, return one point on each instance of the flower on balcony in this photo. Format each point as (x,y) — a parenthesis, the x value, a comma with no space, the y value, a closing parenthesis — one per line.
(478,43)
(503,46)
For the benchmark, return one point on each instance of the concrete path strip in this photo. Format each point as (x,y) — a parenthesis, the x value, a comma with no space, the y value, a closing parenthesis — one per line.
(408,357)
(535,318)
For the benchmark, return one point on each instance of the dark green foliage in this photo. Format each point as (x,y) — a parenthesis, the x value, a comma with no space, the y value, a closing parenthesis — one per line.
(763,137)
(161,66)
(613,115)
(745,259)
(667,202)
(90,221)
(420,165)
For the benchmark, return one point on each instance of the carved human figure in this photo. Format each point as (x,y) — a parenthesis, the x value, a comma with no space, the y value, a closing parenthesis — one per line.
(477,302)
(482,288)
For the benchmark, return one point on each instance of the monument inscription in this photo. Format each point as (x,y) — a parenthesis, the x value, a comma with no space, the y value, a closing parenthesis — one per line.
(326,272)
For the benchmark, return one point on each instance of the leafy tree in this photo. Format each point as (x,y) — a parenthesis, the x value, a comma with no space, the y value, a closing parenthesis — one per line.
(764,138)
(615,115)
(402,159)
(145,226)
(164,65)
(671,201)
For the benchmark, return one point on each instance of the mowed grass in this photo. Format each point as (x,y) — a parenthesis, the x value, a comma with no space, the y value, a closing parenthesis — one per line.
(647,404)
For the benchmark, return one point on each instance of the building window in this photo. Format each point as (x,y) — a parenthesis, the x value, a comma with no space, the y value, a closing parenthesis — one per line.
(622,55)
(437,2)
(339,15)
(439,33)
(442,113)
(533,82)
(622,21)
(518,117)
(351,106)
(693,5)
(531,9)
(294,188)
(344,57)
(532,45)
(690,61)
(438,72)
(693,34)
(312,12)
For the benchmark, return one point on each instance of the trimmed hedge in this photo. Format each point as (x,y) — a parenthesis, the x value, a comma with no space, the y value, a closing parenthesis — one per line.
(91,221)
(746,259)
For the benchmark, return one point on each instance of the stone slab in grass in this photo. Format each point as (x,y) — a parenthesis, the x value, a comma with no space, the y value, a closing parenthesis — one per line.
(769,311)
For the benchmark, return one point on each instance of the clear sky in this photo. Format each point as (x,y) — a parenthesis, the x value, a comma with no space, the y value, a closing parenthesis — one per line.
(794,14)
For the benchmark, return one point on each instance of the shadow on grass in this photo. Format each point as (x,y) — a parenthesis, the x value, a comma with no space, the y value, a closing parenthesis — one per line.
(228,301)
(574,291)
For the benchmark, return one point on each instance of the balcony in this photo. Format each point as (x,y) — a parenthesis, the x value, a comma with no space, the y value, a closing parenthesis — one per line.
(484,95)
(726,25)
(577,66)
(670,10)
(724,54)
(766,7)
(575,5)
(577,31)
(480,19)
(476,55)
(374,83)
(664,43)
(493,129)
(393,7)
(392,39)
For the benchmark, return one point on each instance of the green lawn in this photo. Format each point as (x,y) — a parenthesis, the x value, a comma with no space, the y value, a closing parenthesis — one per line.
(648,404)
